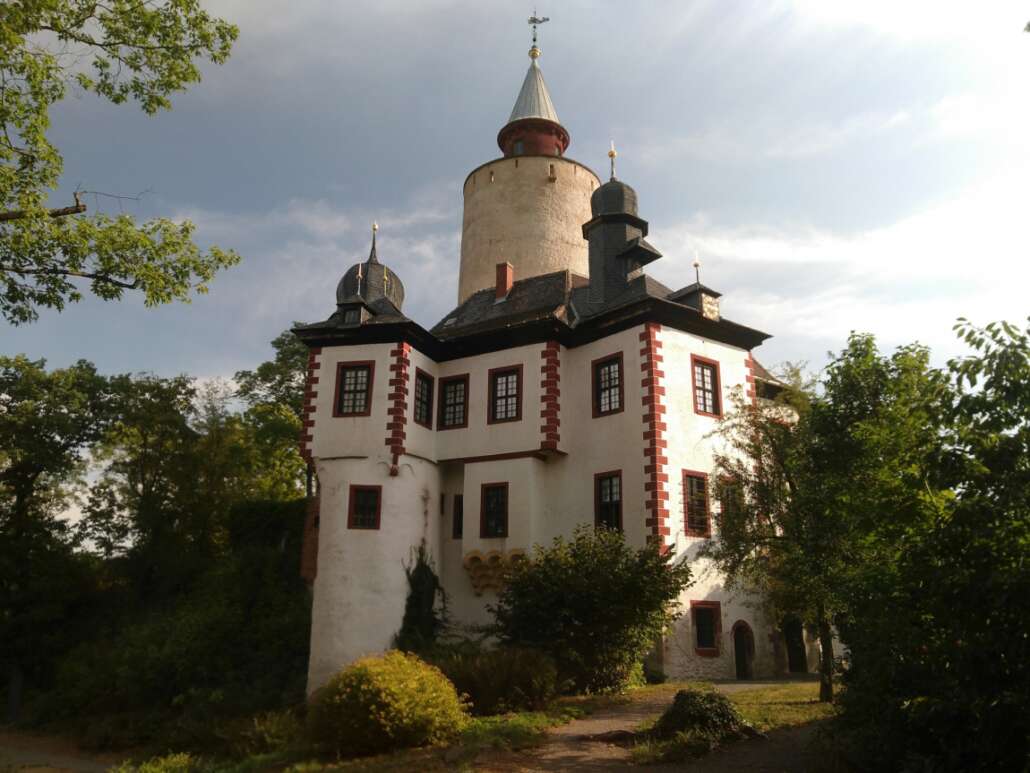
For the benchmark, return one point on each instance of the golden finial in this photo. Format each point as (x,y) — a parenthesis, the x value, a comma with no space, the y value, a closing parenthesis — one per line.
(375,227)
(612,154)
(534,20)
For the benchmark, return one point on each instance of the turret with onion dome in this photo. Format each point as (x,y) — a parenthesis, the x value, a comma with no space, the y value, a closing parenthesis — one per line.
(526,208)
(369,289)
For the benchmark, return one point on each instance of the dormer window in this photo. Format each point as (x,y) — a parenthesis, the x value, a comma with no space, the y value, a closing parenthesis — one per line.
(351,316)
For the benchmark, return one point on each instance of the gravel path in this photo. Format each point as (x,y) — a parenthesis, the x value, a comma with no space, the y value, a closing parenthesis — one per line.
(575,747)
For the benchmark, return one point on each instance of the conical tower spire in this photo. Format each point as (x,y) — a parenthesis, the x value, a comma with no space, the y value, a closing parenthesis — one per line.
(533,128)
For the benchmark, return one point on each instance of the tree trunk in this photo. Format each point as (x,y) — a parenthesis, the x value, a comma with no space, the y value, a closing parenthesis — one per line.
(14,690)
(825,659)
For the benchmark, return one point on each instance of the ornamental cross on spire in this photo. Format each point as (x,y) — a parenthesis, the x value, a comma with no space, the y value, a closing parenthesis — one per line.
(534,21)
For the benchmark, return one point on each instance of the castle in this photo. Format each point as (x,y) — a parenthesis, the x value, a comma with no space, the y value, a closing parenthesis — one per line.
(566,387)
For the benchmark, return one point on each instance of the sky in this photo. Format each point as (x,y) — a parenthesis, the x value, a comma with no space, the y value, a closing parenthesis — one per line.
(836,166)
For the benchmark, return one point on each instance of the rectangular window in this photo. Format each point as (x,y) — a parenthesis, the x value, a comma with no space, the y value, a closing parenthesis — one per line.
(607,385)
(706,386)
(706,620)
(453,402)
(608,500)
(695,504)
(353,389)
(423,399)
(351,316)
(494,511)
(364,507)
(505,394)
(458,525)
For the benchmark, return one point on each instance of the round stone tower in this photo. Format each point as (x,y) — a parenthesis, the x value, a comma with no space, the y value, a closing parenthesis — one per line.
(527,208)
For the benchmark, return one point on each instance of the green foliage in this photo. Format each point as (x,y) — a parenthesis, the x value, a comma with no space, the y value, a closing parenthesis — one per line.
(140,51)
(820,487)
(937,634)
(500,680)
(268,732)
(377,704)
(591,589)
(702,712)
(169,763)
(423,620)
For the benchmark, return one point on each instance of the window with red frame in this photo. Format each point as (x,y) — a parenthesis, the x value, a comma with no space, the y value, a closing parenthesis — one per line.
(494,515)
(364,507)
(706,620)
(423,399)
(453,402)
(608,500)
(695,501)
(505,395)
(706,387)
(354,389)
(607,385)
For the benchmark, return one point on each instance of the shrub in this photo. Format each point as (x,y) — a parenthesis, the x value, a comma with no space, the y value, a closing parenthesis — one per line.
(593,603)
(266,733)
(170,763)
(501,680)
(702,713)
(392,701)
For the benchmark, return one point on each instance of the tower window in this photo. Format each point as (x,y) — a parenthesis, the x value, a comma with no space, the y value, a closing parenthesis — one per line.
(518,148)
(706,620)
(706,386)
(453,402)
(364,507)
(608,500)
(607,385)
(458,523)
(695,504)
(353,389)
(352,316)
(423,399)
(493,517)
(505,394)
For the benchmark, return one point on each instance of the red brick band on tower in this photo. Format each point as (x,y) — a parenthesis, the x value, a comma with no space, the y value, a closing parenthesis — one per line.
(749,389)
(550,391)
(656,479)
(397,413)
(310,393)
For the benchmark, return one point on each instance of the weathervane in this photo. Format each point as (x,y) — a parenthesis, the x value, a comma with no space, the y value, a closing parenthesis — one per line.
(612,154)
(535,20)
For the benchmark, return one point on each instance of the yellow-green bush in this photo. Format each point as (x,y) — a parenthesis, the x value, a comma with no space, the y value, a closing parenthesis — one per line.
(392,701)
(170,763)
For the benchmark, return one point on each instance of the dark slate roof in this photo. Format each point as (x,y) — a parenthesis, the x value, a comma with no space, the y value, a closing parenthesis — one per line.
(535,298)
(693,288)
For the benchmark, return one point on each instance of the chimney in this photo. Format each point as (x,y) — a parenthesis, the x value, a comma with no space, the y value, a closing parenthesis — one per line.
(505,279)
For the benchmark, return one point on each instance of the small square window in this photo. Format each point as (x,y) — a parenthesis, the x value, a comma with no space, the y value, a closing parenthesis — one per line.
(453,402)
(518,148)
(494,514)
(458,524)
(608,500)
(607,385)
(353,389)
(363,508)
(351,316)
(505,395)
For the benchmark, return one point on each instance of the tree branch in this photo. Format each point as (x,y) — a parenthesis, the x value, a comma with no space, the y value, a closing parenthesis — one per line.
(18,214)
(66,272)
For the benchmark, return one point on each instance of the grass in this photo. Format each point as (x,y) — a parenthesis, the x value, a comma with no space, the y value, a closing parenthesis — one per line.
(767,709)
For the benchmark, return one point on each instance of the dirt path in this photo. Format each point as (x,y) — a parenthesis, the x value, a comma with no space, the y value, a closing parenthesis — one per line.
(574,746)
(31,753)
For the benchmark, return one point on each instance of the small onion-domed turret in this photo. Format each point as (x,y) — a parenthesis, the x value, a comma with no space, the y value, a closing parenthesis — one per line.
(370,281)
(613,197)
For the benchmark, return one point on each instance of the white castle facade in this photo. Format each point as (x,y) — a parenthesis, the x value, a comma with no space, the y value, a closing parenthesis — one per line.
(567,387)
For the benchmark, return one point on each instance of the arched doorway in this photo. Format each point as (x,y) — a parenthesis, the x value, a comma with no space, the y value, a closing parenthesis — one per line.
(744,650)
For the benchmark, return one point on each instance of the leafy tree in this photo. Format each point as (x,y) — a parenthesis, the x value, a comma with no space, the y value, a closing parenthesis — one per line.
(141,51)
(818,488)
(938,643)
(47,421)
(274,394)
(594,603)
